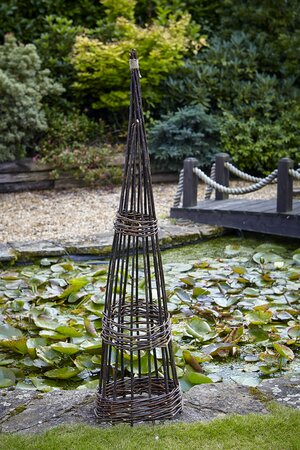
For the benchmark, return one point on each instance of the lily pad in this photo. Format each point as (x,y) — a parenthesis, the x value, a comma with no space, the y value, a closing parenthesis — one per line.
(258,317)
(7,377)
(66,348)
(62,374)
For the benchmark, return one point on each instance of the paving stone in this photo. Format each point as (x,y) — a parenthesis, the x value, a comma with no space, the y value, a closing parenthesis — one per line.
(29,250)
(96,245)
(6,253)
(285,390)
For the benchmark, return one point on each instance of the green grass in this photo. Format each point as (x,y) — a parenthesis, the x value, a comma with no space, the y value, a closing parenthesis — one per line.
(278,430)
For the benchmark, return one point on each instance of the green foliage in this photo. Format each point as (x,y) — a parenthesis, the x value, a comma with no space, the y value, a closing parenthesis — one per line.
(102,65)
(23,86)
(259,116)
(257,145)
(191,131)
(26,18)
(55,46)
(73,143)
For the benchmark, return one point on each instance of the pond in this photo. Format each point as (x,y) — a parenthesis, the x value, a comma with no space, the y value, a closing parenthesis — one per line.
(234,302)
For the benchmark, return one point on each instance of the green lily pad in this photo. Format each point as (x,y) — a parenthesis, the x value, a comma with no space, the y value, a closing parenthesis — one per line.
(66,347)
(284,351)
(62,374)
(7,331)
(258,317)
(198,378)
(68,331)
(7,377)
(294,332)
(17,345)
(199,329)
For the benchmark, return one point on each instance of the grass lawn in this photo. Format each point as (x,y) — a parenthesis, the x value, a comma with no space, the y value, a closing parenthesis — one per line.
(278,430)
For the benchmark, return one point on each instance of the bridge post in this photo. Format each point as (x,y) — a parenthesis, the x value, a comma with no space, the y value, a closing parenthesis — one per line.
(284,185)
(190,182)
(222,174)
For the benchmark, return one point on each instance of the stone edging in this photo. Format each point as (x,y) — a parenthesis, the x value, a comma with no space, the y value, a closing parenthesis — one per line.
(170,235)
(29,411)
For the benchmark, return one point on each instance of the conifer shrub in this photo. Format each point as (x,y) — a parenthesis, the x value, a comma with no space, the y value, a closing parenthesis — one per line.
(190,131)
(23,88)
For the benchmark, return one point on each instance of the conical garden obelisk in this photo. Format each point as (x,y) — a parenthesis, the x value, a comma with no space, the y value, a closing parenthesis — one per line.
(138,380)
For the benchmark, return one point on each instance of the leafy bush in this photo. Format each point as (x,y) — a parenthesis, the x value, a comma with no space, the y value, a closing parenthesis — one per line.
(257,111)
(189,132)
(102,65)
(73,143)
(55,47)
(23,86)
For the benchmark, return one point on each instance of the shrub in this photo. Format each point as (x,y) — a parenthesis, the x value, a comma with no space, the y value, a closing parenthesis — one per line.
(191,131)
(102,63)
(74,143)
(23,87)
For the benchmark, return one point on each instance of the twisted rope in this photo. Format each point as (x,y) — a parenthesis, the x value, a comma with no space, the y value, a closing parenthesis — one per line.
(295,174)
(179,191)
(208,188)
(239,173)
(236,191)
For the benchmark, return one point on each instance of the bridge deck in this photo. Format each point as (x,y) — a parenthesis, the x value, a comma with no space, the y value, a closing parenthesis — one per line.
(251,215)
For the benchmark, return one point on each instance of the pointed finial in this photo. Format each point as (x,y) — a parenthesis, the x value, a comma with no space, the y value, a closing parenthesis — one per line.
(134,62)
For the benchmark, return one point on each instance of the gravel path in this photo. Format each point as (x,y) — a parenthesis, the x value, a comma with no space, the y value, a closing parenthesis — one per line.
(39,215)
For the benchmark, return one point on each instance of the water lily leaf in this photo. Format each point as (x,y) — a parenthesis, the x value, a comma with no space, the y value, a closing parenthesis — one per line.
(92,384)
(7,331)
(296,259)
(7,377)
(85,362)
(197,291)
(258,317)
(199,329)
(232,249)
(294,332)
(45,322)
(92,346)
(238,269)
(66,347)
(284,351)
(33,343)
(44,385)
(48,355)
(264,257)
(198,378)
(225,302)
(269,370)
(182,295)
(62,374)
(223,349)
(51,334)
(74,286)
(192,361)
(90,327)
(250,292)
(246,380)
(5,360)
(17,345)
(189,281)
(68,331)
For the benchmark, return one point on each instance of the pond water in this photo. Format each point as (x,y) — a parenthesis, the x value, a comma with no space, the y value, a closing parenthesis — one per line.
(234,302)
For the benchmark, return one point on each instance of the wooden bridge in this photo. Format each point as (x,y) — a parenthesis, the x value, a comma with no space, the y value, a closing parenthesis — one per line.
(279,216)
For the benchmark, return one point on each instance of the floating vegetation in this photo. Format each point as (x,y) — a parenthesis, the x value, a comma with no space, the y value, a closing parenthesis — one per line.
(235,316)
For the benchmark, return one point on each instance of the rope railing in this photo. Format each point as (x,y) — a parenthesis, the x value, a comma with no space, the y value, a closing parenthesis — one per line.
(208,188)
(238,190)
(239,173)
(218,180)
(295,174)
(179,191)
